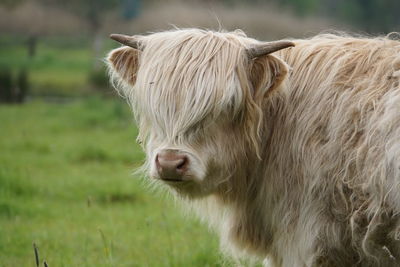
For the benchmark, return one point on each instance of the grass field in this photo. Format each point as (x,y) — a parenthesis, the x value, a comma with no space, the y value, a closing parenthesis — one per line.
(60,67)
(66,184)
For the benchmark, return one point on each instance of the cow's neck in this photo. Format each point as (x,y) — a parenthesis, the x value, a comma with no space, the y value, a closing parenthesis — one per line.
(243,211)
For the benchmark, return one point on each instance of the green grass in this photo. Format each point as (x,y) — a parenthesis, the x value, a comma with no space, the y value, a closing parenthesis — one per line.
(60,67)
(66,184)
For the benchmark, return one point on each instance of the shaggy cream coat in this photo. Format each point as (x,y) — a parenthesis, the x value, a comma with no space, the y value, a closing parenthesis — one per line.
(296,154)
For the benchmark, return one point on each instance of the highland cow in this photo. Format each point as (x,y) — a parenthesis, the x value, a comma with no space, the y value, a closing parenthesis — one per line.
(290,150)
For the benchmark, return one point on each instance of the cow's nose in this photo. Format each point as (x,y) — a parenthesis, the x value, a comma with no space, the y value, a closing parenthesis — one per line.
(171,165)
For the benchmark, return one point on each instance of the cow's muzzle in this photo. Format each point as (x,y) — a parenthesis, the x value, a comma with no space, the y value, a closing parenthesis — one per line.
(172,165)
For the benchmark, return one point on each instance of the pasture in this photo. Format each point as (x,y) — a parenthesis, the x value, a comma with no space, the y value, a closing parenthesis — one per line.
(60,66)
(66,183)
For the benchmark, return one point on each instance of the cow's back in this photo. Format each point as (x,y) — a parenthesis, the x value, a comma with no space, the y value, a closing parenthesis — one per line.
(340,132)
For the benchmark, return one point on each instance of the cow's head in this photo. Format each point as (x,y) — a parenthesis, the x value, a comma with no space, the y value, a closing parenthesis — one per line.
(198,97)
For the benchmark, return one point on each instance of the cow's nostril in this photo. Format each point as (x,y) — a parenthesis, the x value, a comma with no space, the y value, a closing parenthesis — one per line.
(182,164)
(157,162)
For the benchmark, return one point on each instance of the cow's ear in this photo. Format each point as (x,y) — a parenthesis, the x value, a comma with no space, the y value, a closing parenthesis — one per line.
(123,63)
(267,73)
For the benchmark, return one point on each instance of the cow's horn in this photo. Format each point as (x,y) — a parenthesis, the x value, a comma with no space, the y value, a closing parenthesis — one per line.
(126,40)
(268,48)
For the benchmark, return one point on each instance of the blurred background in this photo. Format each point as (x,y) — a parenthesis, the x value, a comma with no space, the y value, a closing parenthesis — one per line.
(67,141)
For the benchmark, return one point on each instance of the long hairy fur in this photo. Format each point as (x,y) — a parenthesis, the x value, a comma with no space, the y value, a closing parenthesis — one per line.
(312,175)
(343,131)
(185,70)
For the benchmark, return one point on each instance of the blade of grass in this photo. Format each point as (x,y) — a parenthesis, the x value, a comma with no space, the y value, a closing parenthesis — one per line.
(107,249)
(35,248)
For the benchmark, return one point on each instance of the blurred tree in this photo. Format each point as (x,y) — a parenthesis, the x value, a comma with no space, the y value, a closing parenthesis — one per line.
(130,8)
(93,11)
(10,3)
(13,90)
(32,45)
(373,16)
(9,90)
(22,86)
(5,85)
(303,7)
(32,38)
